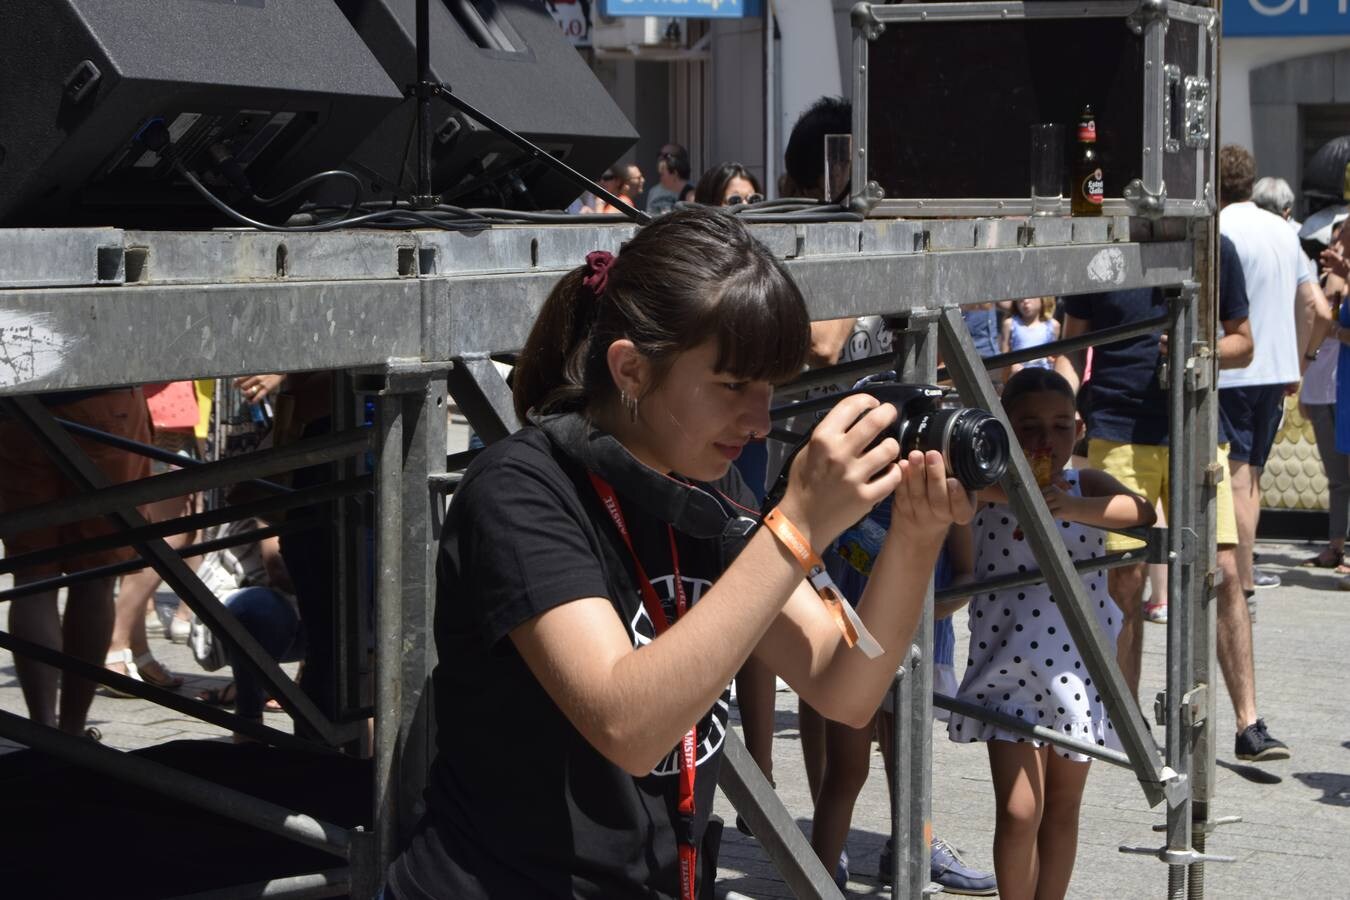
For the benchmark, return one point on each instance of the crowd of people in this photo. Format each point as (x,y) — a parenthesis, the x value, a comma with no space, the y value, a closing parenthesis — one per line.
(616,521)
(108,620)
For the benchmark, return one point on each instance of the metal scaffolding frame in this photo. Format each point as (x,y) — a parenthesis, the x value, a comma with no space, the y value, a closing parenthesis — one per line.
(415,318)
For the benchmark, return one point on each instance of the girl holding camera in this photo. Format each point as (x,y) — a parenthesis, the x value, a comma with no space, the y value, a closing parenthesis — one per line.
(596,591)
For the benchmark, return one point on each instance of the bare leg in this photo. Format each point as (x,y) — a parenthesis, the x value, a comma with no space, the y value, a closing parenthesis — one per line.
(885,728)
(1019,790)
(1247,511)
(35,619)
(1235,640)
(1126,586)
(811,725)
(754,693)
(86,630)
(846,758)
(1057,841)
(138,588)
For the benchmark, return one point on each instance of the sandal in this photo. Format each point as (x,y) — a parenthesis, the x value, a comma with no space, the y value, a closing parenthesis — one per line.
(1327,559)
(152,672)
(118,658)
(221,696)
(1343,570)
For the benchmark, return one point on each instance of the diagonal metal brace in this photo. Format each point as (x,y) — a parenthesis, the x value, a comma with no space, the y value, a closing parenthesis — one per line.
(483,395)
(754,798)
(308,452)
(78,467)
(972,380)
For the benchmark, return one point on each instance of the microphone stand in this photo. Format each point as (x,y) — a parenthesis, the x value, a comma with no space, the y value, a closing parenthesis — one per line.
(426,89)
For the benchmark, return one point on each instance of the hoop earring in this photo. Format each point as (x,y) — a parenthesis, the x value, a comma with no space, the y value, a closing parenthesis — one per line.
(630,404)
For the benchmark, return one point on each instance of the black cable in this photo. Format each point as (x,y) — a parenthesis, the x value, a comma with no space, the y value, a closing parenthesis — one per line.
(313,179)
(409,217)
(548,217)
(296,189)
(791,218)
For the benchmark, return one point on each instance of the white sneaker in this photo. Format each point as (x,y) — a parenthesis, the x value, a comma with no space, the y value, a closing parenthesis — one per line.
(178,630)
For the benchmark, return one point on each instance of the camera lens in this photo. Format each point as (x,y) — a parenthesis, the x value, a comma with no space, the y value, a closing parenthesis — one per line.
(973,443)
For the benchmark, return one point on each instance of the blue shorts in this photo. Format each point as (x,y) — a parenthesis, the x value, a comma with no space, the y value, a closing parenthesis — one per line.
(1251,416)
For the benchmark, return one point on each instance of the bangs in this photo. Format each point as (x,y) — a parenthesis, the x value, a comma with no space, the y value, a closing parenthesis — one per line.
(760,322)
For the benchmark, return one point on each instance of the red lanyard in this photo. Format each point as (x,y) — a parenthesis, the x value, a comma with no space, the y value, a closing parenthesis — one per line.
(688,761)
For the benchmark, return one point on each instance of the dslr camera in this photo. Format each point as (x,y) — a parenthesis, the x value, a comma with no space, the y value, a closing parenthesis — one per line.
(973,443)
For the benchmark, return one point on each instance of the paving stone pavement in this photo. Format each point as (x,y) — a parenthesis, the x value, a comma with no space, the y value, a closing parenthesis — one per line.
(1294,840)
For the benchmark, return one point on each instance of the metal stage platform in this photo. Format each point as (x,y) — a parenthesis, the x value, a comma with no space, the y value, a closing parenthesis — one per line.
(411,321)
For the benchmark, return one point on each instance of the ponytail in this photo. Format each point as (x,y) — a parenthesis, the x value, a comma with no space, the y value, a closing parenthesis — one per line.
(550,372)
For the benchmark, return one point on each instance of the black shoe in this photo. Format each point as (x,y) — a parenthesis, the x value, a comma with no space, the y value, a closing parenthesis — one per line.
(1254,744)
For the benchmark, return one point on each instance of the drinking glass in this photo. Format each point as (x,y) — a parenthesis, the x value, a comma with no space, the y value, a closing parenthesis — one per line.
(1047,168)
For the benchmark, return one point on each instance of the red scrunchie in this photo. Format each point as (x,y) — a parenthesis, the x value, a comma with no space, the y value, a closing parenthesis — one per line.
(599,262)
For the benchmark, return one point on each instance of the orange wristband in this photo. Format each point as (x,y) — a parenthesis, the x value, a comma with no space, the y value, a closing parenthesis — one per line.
(850,625)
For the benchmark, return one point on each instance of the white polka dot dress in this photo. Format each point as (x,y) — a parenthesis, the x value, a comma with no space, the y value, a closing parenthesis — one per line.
(1022,661)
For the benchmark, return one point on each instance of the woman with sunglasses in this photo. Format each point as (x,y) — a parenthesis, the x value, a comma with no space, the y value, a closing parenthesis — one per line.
(729,184)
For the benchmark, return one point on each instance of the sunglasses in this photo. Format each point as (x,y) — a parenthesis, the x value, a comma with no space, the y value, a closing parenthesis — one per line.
(737,199)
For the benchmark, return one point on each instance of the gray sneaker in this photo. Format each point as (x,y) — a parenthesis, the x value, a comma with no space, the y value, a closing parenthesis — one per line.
(1262,580)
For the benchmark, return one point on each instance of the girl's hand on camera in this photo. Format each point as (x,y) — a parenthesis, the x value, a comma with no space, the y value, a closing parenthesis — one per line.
(928,501)
(836,479)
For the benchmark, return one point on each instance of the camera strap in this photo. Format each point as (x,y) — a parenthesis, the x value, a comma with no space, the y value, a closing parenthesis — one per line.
(688,760)
(845,616)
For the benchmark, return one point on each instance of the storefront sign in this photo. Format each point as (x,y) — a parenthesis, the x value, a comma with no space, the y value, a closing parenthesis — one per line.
(1268,18)
(574,18)
(684,9)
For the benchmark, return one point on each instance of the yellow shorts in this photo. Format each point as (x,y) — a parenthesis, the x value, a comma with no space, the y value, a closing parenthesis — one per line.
(1143,469)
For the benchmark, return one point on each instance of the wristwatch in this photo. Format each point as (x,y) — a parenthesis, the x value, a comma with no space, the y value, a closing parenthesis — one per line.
(1311,354)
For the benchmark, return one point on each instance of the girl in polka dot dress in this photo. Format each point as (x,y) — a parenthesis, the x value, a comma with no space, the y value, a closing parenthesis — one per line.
(1023,662)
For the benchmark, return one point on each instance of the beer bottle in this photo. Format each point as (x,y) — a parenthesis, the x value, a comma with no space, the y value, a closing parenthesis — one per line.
(1088,183)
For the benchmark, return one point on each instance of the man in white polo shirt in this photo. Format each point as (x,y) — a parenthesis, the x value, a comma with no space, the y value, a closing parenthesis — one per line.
(1288,315)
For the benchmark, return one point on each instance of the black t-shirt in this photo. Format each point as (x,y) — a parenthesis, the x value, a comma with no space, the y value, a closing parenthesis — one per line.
(1127,403)
(519,803)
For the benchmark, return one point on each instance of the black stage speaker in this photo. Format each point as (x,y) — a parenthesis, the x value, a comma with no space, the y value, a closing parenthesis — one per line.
(508,59)
(284,88)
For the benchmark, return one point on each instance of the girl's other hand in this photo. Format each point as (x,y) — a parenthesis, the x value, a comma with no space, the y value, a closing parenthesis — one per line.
(928,502)
(836,478)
